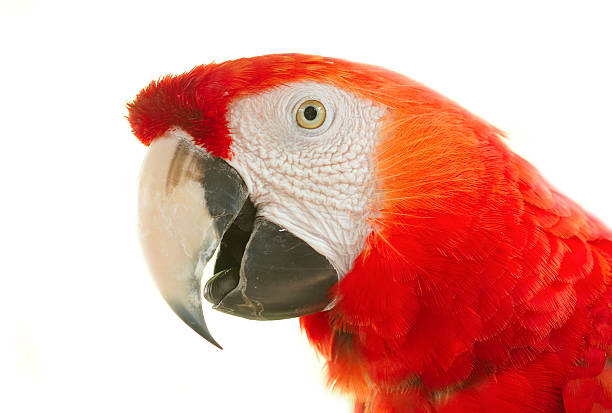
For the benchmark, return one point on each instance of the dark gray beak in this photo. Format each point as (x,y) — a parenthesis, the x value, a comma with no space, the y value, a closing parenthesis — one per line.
(190,203)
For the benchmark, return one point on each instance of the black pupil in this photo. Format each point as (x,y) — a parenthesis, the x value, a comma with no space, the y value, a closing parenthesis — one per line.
(310,112)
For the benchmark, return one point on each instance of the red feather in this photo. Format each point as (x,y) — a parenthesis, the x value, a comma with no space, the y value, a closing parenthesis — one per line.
(481,288)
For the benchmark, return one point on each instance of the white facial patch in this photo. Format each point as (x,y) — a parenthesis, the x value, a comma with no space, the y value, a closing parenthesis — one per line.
(316,183)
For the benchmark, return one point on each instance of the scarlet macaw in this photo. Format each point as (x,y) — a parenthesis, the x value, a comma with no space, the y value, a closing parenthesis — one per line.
(432,267)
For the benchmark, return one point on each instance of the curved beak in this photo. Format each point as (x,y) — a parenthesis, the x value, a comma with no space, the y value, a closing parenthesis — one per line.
(190,203)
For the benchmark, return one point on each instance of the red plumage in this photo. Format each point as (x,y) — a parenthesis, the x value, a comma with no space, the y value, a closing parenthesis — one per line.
(480,289)
(500,302)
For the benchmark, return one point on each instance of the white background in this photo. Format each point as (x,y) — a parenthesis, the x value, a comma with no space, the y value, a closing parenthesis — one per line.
(82,327)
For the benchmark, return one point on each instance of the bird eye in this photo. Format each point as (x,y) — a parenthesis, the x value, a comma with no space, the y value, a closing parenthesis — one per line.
(310,114)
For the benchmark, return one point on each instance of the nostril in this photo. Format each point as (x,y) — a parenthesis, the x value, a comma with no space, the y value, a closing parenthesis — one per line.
(221,284)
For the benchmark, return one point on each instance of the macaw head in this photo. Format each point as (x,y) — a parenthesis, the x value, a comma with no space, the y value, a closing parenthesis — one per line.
(292,167)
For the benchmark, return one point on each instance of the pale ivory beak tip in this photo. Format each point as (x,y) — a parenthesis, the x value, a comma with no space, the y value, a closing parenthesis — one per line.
(175,226)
